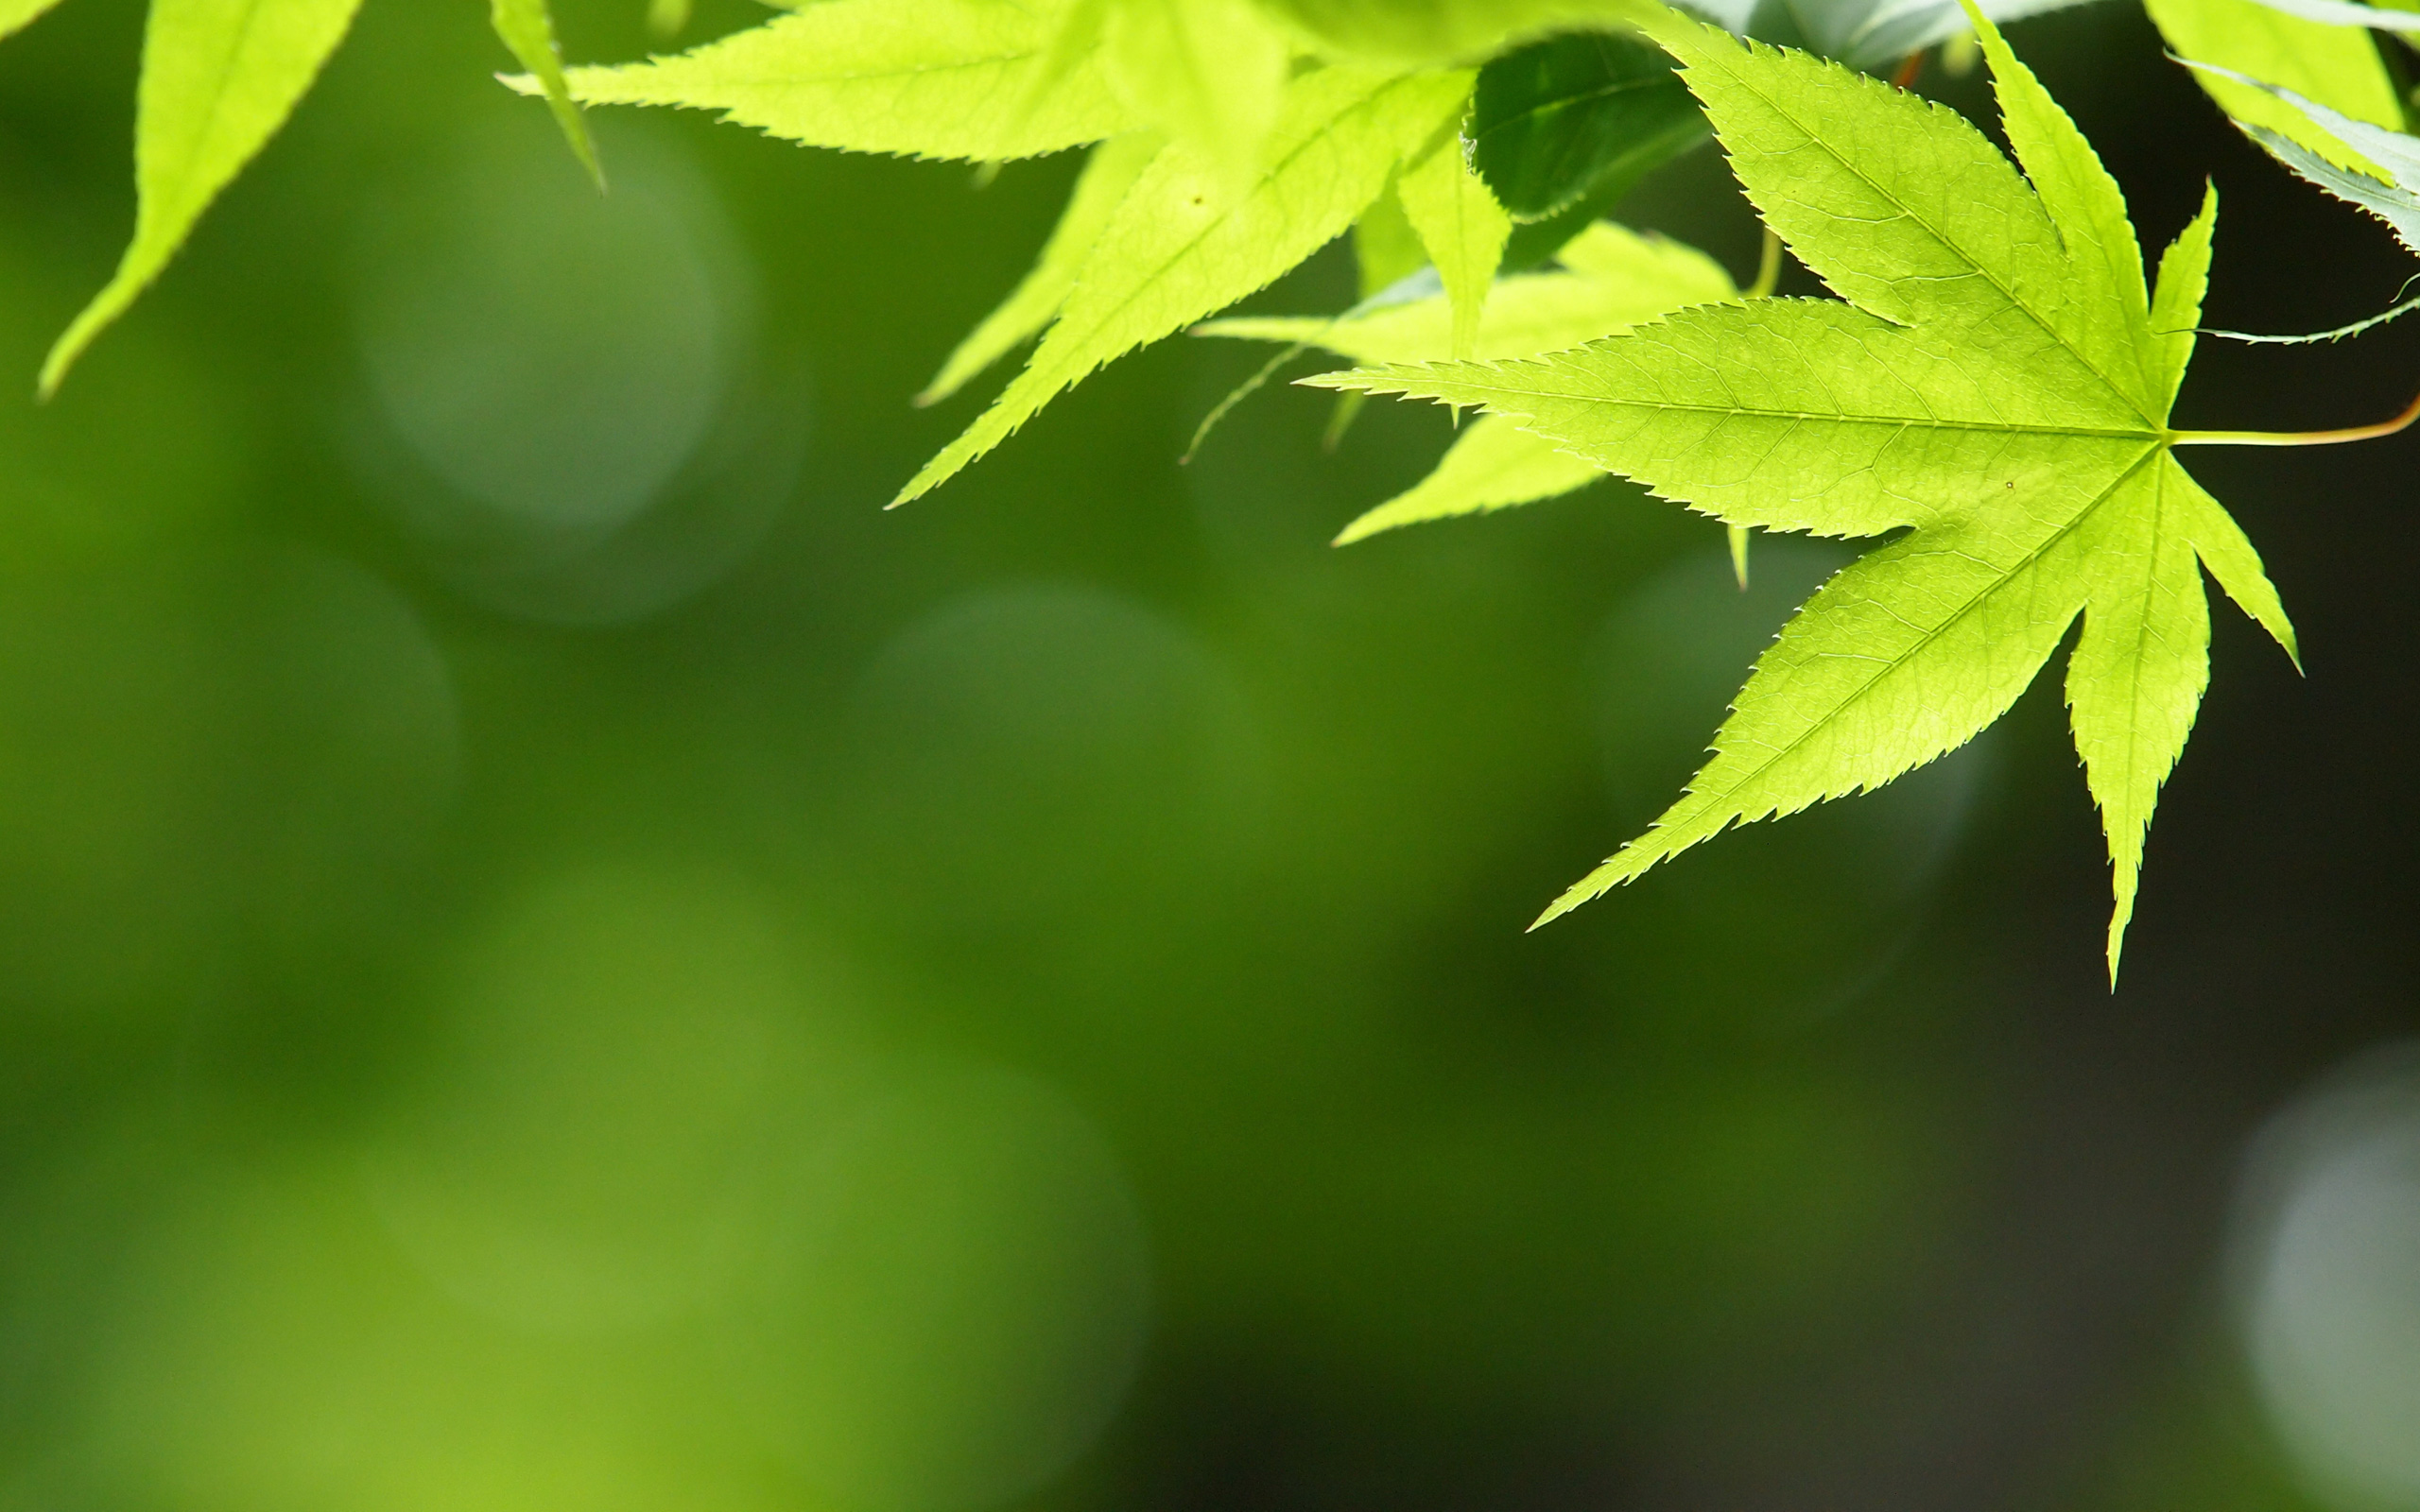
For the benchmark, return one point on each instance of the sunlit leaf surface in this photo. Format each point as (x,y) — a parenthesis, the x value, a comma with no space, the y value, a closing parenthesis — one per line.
(1994,382)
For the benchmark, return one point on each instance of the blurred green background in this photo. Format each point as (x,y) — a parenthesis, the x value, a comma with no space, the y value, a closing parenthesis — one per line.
(553,955)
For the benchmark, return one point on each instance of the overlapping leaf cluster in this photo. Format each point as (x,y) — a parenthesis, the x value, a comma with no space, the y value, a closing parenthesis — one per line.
(1993,388)
(2303,80)
(1991,391)
(1229,140)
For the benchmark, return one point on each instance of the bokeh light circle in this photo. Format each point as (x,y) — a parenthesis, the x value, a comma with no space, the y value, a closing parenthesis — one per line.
(2328,1266)
(956,1301)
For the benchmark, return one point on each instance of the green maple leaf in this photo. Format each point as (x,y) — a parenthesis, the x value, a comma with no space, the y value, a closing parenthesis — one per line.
(1996,382)
(1216,207)
(2394,199)
(2335,65)
(2393,196)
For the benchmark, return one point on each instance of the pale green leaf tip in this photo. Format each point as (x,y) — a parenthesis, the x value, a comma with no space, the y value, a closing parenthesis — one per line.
(82,331)
(63,356)
(1608,875)
(1364,527)
(922,484)
(1351,380)
(583,146)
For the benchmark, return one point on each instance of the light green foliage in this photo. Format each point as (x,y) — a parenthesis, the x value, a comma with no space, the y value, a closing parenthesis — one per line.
(1461,226)
(1414,33)
(1615,278)
(1206,72)
(528,29)
(1997,385)
(1034,303)
(1181,247)
(2335,65)
(2395,201)
(1877,34)
(219,77)
(930,79)
(2347,13)
(15,16)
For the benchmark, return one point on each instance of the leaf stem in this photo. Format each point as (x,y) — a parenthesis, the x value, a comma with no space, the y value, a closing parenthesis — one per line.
(2351,433)
(1768,266)
(1237,395)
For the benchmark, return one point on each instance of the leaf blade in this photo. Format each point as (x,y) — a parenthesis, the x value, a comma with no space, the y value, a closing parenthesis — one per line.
(2347,13)
(2176,299)
(1391,34)
(1943,399)
(2136,680)
(930,79)
(1798,414)
(1883,670)
(1207,72)
(1176,251)
(16,15)
(1900,206)
(2337,67)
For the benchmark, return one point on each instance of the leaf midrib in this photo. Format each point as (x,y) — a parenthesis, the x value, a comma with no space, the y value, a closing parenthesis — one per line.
(238,40)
